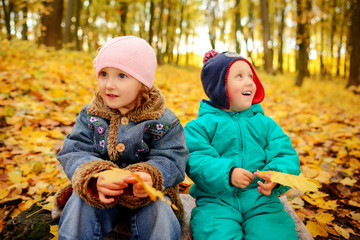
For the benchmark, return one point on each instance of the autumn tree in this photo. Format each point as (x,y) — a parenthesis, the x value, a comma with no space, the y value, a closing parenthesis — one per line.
(302,39)
(354,78)
(281,13)
(211,20)
(51,22)
(267,43)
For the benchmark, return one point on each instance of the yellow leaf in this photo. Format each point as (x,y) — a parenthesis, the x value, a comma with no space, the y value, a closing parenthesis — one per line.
(15,176)
(348,181)
(302,183)
(26,205)
(316,229)
(355,215)
(116,174)
(321,203)
(154,194)
(345,232)
(350,202)
(324,217)
(54,231)
(4,193)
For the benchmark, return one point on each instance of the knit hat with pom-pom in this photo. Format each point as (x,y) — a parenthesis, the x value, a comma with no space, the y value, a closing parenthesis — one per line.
(130,54)
(214,76)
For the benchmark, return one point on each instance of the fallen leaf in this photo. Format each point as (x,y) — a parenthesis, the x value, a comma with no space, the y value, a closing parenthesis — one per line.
(316,229)
(324,217)
(302,183)
(345,232)
(348,181)
(54,230)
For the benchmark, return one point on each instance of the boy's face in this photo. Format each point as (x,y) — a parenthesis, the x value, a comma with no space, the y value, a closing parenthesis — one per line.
(118,89)
(241,86)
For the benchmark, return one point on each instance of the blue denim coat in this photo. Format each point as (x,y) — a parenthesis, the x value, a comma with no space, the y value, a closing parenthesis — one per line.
(149,139)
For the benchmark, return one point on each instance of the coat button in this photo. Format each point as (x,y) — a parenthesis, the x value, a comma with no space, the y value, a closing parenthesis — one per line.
(124,121)
(120,147)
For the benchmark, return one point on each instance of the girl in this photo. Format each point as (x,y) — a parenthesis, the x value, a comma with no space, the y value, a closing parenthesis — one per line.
(126,125)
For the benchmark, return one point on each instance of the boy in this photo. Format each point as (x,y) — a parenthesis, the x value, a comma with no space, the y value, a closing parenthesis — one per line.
(228,143)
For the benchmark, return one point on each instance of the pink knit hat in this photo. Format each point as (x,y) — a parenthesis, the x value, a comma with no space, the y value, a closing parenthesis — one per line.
(130,54)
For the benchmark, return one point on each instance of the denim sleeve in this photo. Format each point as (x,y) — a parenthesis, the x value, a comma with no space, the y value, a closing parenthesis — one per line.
(78,146)
(169,154)
(280,154)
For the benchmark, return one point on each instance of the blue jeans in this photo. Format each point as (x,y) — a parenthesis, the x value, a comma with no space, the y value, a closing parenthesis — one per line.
(82,221)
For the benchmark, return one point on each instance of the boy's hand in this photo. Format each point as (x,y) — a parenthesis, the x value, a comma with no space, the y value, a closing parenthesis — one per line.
(241,178)
(265,188)
(138,189)
(106,189)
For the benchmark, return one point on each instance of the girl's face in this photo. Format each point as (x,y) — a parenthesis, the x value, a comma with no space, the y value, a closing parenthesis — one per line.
(118,89)
(241,86)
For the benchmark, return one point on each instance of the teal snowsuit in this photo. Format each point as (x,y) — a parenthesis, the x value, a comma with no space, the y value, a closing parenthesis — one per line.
(220,140)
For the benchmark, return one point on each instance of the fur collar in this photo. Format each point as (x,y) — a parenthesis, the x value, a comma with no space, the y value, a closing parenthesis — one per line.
(154,108)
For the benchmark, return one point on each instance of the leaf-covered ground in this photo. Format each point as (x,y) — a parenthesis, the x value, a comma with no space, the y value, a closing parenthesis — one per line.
(42,91)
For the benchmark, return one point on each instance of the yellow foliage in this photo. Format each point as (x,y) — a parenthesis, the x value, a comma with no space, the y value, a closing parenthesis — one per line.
(302,183)
(316,229)
(42,94)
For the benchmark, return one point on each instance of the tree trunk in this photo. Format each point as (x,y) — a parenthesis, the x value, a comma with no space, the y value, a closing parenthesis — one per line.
(237,29)
(343,19)
(302,39)
(211,21)
(354,78)
(183,3)
(322,24)
(123,17)
(151,23)
(170,31)
(51,34)
(68,36)
(251,26)
(7,19)
(281,32)
(78,38)
(159,55)
(332,34)
(24,30)
(266,36)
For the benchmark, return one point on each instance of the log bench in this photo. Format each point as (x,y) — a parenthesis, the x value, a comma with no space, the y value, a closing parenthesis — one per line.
(35,223)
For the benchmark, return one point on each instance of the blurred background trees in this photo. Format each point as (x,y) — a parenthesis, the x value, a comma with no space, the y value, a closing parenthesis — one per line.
(318,38)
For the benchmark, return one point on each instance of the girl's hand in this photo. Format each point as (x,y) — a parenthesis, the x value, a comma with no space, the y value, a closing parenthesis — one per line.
(106,189)
(138,189)
(265,188)
(241,178)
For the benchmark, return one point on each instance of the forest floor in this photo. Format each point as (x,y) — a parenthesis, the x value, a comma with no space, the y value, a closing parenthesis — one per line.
(42,90)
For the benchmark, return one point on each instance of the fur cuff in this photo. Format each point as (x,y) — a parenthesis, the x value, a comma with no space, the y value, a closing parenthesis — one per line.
(82,176)
(133,202)
(173,193)
(60,199)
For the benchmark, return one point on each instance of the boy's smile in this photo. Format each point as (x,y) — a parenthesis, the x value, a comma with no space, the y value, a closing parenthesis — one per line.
(241,86)
(118,89)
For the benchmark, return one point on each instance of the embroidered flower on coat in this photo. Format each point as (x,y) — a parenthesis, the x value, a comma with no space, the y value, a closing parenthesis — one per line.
(100,130)
(140,150)
(157,127)
(92,119)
